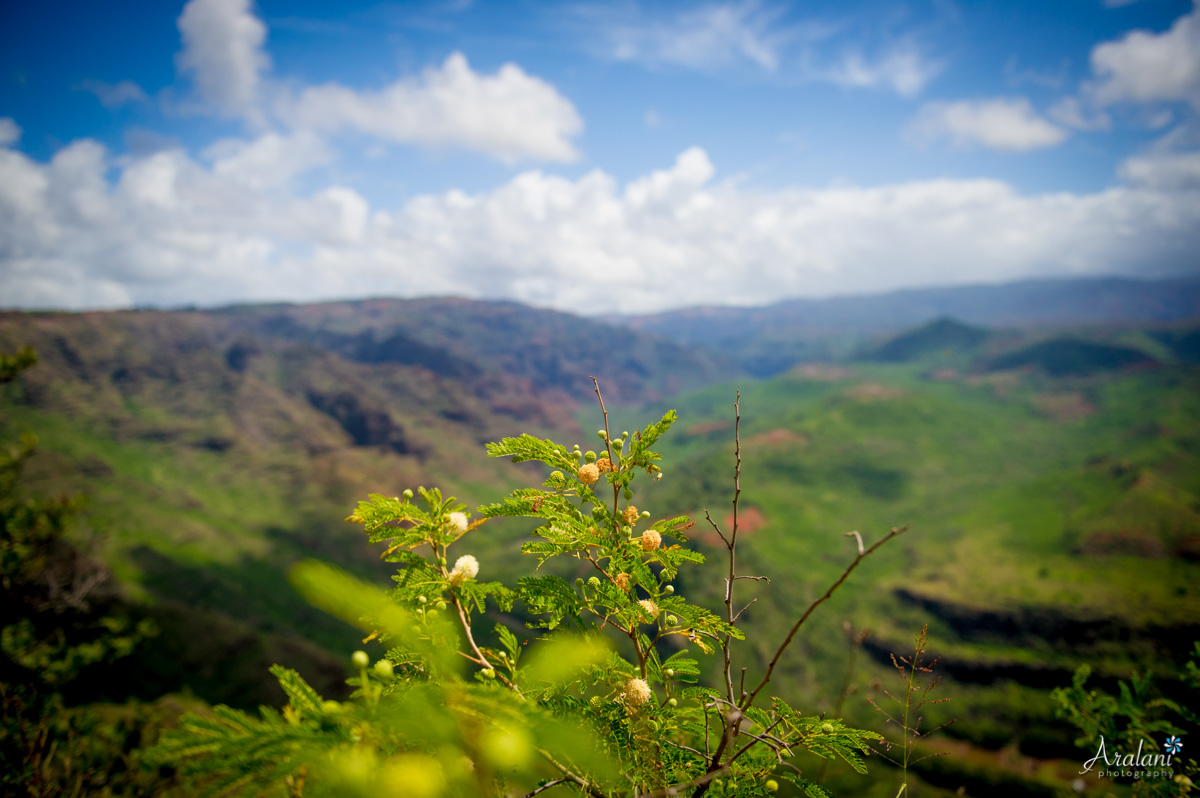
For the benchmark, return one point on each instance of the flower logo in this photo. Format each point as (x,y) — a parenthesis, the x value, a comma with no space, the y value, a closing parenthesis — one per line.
(1173,745)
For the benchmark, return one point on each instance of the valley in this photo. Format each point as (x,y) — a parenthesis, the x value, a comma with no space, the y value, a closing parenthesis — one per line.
(1050,477)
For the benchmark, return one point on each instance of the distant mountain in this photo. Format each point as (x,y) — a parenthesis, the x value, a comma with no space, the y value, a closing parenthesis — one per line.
(1070,357)
(767,340)
(944,335)
(218,448)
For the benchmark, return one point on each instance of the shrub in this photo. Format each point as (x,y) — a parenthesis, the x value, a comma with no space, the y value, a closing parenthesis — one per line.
(599,694)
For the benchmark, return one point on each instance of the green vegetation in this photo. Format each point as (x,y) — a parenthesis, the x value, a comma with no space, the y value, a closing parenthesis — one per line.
(448,713)
(1056,515)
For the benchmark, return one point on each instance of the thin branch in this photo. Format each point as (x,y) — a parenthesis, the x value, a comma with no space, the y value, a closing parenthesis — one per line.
(749,699)
(546,786)
(588,787)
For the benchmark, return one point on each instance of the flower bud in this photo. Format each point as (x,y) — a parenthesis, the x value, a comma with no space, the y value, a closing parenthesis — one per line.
(673,702)
(579,582)
(827,728)
(594,582)
(589,457)
(672,620)
(602,435)
(618,444)
(772,785)
(669,589)
(488,673)
(628,494)
(622,581)
(407,493)
(421,599)
(384,669)
(360,659)
(441,605)
(670,673)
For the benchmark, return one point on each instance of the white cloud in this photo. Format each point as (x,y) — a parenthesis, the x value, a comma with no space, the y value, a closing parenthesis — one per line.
(1166,170)
(114,95)
(1071,112)
(10,131)
(704,38)
(902,69)
(1148,67)
(172,230)
(752,34)
(270,161)
(1004,123)
(509,115)
(223,54)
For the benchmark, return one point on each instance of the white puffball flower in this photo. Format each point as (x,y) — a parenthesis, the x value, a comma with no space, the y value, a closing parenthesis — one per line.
(457,522)
(636,692)
(465,567)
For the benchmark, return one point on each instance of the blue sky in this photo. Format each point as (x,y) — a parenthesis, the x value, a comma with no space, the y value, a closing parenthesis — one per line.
(592,157)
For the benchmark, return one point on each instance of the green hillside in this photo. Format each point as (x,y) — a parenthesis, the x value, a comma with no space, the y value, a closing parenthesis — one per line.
(1054,522)
(1054,512)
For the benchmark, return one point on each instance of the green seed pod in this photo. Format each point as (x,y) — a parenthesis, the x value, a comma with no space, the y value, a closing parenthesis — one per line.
(596,702)
(441,605)
(408,493)
(556,475)
(673,702)
(594,582)
(628,494)
(625,434)
(575,447)
(579,582)
(421,599)
(672,620)
(442,561)
(488,673)
(602,435)
(827,728)
(589,456)
(384,669)
(645,514)
(669,589)
(670,673)
(772,785)
(618,444)
(360,659)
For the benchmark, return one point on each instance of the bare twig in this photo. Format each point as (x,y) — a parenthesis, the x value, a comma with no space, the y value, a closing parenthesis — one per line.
(749,699)
(547,786)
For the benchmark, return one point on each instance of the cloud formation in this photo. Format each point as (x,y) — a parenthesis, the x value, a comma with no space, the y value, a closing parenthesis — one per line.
(1146,67)
(223,54)
(704,38)
(174,230)
(721,36)
(510,115)
(1003,123)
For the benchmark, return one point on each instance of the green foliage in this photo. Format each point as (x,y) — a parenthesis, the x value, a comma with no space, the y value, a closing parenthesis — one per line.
(598,694)
(57,617)
(1137,716)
